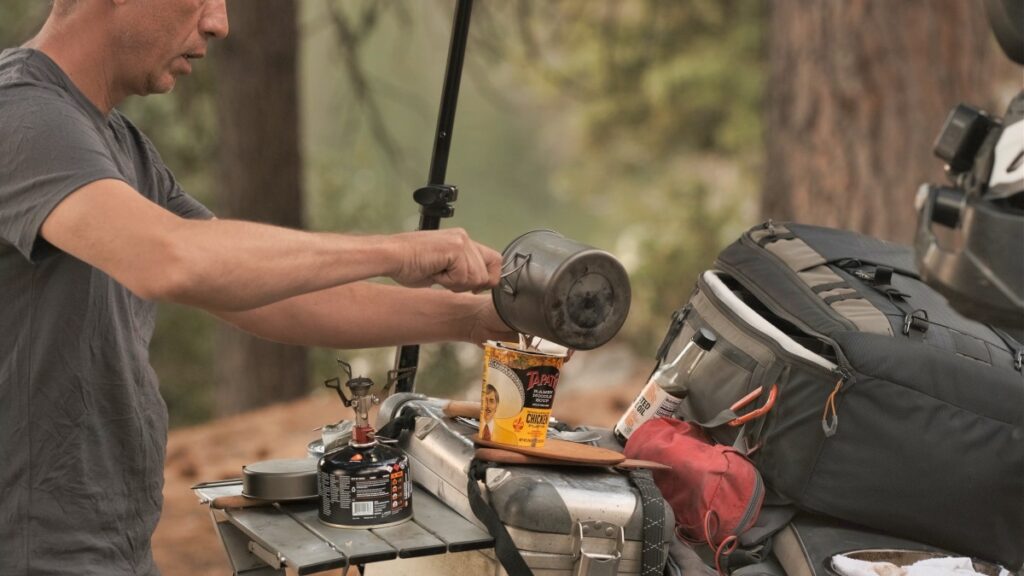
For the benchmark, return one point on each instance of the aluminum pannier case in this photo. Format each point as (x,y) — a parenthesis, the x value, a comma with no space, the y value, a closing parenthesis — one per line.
(564,520)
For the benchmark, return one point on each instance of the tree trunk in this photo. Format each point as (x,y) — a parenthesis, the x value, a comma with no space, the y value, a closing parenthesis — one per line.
(858,91)
(261,170)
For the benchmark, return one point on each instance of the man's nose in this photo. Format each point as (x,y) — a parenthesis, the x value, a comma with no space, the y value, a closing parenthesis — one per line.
(214,21)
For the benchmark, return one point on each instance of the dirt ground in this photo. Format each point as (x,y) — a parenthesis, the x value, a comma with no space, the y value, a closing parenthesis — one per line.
(185,542)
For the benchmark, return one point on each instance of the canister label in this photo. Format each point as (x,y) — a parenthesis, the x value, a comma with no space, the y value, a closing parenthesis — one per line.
(366,497)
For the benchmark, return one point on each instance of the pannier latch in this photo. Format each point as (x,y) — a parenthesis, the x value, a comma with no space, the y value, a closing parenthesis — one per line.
(597,548)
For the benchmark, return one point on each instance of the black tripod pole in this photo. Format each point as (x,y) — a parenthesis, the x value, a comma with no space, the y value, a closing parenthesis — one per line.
(436,197)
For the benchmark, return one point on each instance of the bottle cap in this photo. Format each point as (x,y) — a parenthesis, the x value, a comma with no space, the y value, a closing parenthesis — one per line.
(705,339)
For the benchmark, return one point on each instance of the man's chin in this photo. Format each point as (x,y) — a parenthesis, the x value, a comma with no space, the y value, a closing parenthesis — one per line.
(161,86)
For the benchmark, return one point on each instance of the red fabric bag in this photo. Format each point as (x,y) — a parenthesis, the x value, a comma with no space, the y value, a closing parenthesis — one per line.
(715,492)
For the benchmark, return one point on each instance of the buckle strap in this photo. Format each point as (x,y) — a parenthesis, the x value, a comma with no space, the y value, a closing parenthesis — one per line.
(652,555)
(504,547)
(829,286)
(676,326)
(770,238)
(1012,346)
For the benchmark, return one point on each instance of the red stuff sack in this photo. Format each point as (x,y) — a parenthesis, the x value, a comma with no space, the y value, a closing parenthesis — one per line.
(715,492)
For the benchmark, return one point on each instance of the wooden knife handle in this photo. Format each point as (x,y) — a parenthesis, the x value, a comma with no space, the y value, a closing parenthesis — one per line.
(463,409)
(239,501)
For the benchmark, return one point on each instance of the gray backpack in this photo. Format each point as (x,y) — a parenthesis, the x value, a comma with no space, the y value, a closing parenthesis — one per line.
(858,391)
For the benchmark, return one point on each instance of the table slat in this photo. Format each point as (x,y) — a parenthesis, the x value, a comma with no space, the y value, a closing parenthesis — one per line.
(281,534)
(360,545)
(458,533)
(411,539)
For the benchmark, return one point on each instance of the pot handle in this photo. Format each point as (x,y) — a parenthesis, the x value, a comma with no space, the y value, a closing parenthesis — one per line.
(517,263)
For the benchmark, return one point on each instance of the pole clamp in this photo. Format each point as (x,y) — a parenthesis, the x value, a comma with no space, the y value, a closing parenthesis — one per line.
(435,200)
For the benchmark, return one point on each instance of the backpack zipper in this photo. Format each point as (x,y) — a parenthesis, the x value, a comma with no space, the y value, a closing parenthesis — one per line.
(830,416)
(753,508)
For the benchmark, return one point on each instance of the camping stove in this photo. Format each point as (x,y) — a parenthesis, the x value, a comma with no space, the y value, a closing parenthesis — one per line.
(365,484)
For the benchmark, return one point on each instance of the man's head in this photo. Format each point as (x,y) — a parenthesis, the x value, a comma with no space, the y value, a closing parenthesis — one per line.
(146,44)
(490,402)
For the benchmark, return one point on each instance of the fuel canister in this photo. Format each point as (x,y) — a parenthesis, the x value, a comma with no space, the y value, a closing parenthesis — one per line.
(365,486)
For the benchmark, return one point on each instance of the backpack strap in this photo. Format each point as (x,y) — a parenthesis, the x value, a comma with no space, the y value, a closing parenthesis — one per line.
(653,549)
(915,320)
(674,328)
(504,547)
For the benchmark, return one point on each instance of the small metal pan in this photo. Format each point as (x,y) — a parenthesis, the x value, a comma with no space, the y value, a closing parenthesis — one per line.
(280,480)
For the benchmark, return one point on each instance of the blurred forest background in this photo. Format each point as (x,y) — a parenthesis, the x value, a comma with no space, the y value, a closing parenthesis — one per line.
(655,129)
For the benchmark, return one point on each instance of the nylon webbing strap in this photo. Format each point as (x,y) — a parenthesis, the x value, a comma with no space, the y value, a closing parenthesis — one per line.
(841,297)
(775,238)
(504,547)
(678,319)
(652,555)
(396,426)
(829,286)
(1013,346)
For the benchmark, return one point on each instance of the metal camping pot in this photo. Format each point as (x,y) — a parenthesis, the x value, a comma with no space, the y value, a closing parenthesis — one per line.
(280,480)
(561,290)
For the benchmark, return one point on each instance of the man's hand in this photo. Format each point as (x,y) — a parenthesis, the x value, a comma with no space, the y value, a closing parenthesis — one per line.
(446,257)
(487,325)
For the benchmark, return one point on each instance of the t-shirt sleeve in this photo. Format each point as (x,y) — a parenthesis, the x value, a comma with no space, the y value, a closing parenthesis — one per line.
(173,197)
(48,149)
(186,206)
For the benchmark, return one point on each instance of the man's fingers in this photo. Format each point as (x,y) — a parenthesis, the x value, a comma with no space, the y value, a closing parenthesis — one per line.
(481,277)
(449,258)
(492,265)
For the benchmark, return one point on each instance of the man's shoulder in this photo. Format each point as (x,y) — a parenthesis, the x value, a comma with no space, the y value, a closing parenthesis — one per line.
(25,68)
(30,80)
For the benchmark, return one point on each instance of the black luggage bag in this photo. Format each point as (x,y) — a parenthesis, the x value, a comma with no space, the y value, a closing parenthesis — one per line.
(888,408)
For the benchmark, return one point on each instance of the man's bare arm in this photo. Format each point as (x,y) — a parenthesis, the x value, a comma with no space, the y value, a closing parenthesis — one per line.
(232,265)
(363,315)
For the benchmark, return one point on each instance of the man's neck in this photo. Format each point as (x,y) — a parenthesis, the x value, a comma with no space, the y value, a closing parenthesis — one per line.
(82,53)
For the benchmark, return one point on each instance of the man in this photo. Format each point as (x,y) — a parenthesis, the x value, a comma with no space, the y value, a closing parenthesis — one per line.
(489,407)
(94,228)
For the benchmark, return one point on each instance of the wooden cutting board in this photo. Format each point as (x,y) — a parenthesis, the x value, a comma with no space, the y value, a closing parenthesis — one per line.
(508,457)
(563,451)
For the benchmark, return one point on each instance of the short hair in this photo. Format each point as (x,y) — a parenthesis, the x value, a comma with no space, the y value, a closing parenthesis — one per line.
(490,388)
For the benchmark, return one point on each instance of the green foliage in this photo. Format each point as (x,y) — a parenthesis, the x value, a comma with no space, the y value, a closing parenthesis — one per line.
(182,354)
(665,97)
(446,369)
(21,19)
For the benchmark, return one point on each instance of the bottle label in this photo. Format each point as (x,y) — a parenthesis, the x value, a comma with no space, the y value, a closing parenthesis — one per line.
(653,402)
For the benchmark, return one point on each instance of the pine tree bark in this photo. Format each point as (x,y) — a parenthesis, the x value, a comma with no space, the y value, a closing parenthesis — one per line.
(260,180)
(857,92)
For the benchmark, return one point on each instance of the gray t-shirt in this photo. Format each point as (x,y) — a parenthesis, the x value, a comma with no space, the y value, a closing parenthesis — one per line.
(83,428)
